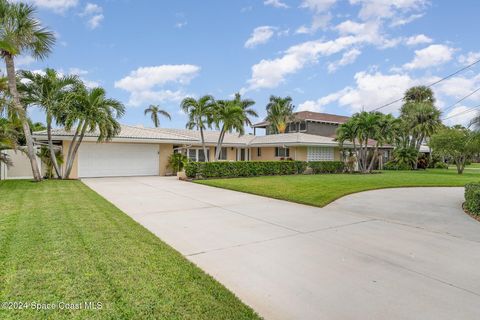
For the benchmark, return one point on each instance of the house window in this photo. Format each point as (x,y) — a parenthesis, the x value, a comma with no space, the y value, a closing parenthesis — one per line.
(293,127)
(320,154)
(223,154)
(282,152)
(303,126)
(197,154)
(259,152)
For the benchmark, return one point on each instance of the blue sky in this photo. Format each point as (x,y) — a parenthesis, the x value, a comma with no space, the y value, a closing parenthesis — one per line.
(328,55)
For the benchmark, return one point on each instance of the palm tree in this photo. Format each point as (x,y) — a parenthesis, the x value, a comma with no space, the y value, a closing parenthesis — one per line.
(90,110)
(229,116)
(363,129)
(155,113)
(47,91)
(22,33)
(246,104)
(199,114)
(420,116)
(279,113)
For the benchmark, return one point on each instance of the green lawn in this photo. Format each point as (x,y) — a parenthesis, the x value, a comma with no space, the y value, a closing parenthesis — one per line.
(319,190)
(62,242)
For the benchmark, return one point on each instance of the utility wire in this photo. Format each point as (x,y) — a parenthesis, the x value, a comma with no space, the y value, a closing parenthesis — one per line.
(457,102)
(462,112)
(431,84)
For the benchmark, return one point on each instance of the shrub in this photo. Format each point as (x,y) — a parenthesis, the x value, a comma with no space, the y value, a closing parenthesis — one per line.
(327,166)
(472,198)
(243,168)
(177,161)
(441,165)
(392,165)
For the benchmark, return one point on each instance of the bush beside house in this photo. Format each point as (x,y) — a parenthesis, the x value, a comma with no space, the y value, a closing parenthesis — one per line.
(472,198)
(259,168)
(326,166)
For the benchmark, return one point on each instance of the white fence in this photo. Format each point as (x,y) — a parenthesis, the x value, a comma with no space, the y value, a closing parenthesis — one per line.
(21,168)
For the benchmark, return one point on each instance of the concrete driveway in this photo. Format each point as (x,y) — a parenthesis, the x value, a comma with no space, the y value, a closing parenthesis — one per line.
(387,254)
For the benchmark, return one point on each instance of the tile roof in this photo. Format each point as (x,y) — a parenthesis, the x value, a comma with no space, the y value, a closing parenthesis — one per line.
(312,116)
(211,137)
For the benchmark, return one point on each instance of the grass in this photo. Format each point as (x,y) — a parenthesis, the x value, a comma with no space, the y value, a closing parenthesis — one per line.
(62,242)
(320,190)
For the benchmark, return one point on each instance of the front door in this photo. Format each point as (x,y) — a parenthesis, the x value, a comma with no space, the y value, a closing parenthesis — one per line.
(242,154)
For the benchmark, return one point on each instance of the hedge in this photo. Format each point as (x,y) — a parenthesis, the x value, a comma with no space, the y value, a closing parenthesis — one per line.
(392,165)
(327,166)
(243,168)
(259,168)
(472,198)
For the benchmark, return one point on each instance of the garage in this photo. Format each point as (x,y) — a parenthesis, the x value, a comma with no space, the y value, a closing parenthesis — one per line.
(118,159)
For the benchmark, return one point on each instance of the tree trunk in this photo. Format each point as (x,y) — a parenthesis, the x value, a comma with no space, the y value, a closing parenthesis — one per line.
(50,147)
(460,163)
(418,144)
(207,155)
(219,144)
(12,85)
(372,162)
(74,152)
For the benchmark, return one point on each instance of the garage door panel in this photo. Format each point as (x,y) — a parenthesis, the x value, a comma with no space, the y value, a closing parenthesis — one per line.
(117,159)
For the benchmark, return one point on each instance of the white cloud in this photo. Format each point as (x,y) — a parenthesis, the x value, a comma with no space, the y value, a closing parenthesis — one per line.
(400,21)
(469,58)
(275,3)
(260,35)
(383,9)
(459,115)
(270,73)
(58,6)
(348,57)
(94,15)
(319,104)
(24,61)
(91,8)
(95,21)
(417,39)
(77,71)
(433,55)
(318,5)
(321,16)
(318,22)
(144,84)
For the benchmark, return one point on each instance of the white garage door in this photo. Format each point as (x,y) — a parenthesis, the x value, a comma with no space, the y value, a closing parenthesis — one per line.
(117,159)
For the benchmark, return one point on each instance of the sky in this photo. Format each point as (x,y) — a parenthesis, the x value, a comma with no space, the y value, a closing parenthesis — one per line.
(334,56)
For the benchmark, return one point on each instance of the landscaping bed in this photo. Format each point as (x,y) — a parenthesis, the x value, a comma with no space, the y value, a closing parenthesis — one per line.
(60,242)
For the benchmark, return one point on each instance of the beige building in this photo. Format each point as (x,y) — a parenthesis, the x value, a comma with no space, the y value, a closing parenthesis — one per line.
(140,151)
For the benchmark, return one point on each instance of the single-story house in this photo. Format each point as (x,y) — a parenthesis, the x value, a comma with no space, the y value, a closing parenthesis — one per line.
(137,151)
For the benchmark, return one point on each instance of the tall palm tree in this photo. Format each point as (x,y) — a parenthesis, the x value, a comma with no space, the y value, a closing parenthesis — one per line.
(90,110)
(21,33)
(48,91)
(420,116)
(279,113)
(199,113)
(229,116)
(155,113)
(246,106)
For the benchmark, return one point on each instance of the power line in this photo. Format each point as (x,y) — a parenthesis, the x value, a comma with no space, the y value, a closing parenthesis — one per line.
(432,84)
(463,112)
(457,102)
